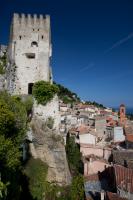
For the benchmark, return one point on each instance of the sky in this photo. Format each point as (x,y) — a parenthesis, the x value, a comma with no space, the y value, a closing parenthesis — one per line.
(92,43)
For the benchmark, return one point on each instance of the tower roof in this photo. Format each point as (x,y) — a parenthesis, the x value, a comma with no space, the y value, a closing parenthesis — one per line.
(122,105)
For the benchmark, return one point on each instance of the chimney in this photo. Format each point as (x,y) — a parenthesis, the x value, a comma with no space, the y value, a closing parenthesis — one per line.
(90,160)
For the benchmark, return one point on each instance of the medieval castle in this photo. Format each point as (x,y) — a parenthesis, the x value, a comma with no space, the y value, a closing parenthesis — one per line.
(29,53)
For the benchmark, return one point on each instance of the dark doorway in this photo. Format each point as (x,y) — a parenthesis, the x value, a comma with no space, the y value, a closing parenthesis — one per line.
(30,86)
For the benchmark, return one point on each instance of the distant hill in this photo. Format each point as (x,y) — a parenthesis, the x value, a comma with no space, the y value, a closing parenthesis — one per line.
(95,104)
(66,95)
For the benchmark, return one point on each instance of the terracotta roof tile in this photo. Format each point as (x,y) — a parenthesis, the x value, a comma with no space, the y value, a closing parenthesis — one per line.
(124,177)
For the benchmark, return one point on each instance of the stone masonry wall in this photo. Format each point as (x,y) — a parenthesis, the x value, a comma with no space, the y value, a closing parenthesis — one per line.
(29,52)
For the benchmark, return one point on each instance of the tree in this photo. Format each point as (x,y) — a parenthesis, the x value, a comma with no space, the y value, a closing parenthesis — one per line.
(77,188)
(66,95)
(7,120)
(13,118)
(73,155)
(9,154)
(13,124)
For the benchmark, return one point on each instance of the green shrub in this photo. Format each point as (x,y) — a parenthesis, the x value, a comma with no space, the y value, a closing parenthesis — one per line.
(2,71)
(36,170)
(28,103)
(44,92)
(73,156)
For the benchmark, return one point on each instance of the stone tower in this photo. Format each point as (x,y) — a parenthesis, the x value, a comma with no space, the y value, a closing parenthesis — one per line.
(122,114)
(29,53)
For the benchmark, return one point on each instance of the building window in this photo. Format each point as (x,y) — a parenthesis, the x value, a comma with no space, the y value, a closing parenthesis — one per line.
(42,36)
(30,86)
(20,37)
(30,55)
(34,44)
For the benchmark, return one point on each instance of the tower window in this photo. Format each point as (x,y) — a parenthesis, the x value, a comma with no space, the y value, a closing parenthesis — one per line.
(20,37)
(30,55)
(30,86)
(34,44)
(42,36)
(38,29)
(33,29)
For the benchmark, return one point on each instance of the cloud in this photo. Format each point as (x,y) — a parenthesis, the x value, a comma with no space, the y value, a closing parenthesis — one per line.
(118,43)
(90,66)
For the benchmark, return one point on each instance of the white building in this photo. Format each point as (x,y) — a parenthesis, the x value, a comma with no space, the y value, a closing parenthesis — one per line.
(119,134)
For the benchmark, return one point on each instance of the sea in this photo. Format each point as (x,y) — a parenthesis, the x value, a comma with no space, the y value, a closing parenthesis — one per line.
(128,110)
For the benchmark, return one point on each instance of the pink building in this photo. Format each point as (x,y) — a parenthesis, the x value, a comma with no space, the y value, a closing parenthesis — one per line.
(101,152)
(94,166)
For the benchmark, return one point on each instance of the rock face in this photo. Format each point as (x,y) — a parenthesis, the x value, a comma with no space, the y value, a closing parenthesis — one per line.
(51,110)
(48,145)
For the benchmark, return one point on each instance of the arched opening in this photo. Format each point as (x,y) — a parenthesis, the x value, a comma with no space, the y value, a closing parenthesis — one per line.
(34,44)
(20,37)
(30,86)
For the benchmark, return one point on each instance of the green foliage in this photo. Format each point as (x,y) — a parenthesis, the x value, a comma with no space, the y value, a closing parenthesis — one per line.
(44,92)
(67,100)
(2,71)
(40,188)
(77,188)
(95,104)
(13,118)
(3,190)
(66,95)
(36,170)
(56,192)
(28,103)
(9,154)
(7,120)
(2,64)
(13,125)
(73,155)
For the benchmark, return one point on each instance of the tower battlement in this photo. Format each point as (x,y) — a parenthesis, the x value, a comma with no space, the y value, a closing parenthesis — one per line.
(34,20)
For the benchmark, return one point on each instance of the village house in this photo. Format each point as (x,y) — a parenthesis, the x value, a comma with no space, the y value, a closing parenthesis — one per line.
(100,126)
(93,165)
(63,107)
(123,157)
(98,151)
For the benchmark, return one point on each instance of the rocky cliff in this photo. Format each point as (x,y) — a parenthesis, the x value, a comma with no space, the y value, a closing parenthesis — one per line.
(48,145)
